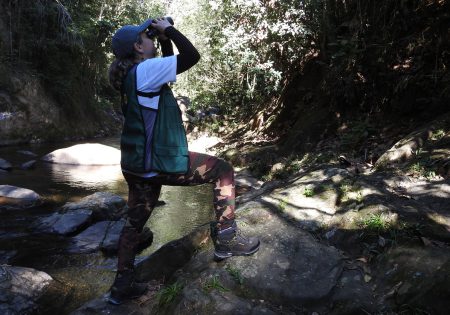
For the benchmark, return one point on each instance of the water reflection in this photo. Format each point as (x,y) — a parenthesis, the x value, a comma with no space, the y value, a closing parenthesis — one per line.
(88,177)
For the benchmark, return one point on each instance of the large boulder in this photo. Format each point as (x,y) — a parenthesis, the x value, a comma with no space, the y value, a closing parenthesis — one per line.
(85,154)
(291,271)
(20,289)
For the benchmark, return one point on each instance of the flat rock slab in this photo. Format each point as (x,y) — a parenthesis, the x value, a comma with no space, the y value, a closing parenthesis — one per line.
(64,223)
(96,237)
(104,205)
(85,154)
(20,289)
(310,211)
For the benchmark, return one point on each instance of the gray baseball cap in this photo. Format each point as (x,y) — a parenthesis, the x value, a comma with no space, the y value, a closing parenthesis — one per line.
(124,39)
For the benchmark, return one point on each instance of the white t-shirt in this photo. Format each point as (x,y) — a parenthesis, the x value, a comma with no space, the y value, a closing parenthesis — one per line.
(151,75)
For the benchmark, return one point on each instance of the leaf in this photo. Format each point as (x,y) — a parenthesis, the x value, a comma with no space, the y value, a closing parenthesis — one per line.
(367,278)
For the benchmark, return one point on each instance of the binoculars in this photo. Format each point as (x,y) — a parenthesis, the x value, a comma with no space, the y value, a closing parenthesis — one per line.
(153,32)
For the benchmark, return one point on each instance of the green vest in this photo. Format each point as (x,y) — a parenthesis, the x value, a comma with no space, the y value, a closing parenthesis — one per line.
(148,143)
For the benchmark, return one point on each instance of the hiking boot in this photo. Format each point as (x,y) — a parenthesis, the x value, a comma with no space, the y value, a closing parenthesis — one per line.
(230,242)
(125,288)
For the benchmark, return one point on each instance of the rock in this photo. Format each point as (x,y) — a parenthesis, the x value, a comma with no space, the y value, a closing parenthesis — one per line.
(418,276)
(28,165)
(245,179)
(161,264)
(104,233)
(277,167)
(104,205)
(5,165)
(291,270)
(18,193)
(308,212)
(6,256)
(172,256)
(64,223)
(85,154)
(110,242)
(20,289)
(12,197)
(29,153)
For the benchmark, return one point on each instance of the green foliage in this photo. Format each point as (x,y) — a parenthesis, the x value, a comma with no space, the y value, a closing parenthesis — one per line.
(169,293)
(247,48)
(214,284)
(308,192)
(357,134)
(375,222)
(68,43)
(236,274)
(437,134)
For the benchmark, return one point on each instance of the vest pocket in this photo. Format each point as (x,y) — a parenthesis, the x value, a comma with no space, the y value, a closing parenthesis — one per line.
(173,160)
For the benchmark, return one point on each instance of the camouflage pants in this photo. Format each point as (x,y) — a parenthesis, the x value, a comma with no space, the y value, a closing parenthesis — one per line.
(144,193)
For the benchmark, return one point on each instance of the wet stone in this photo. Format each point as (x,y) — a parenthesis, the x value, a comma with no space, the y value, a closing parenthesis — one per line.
(28,165)
(64,223)
(103,235)
(5,165)
(12,197)
(90,240)
(9,191)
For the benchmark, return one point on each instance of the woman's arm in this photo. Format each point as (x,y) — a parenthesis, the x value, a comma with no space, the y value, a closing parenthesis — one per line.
(188,54)
(166,47)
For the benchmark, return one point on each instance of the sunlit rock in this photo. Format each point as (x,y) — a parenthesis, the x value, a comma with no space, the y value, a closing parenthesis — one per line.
(20,288)
(17,192)
(85,154)
(17,197)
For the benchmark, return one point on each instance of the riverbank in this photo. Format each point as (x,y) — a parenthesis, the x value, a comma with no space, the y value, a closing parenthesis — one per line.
(338,236)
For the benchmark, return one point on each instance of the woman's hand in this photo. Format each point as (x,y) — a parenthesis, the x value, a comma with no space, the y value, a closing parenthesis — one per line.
(161,24)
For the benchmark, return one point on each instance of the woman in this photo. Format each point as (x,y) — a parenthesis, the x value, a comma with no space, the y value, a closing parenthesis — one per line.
(143,79)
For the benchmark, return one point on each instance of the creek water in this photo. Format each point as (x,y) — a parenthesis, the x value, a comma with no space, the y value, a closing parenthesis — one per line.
(90,275)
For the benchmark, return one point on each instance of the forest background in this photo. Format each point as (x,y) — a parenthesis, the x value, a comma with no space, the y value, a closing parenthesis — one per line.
(299,71)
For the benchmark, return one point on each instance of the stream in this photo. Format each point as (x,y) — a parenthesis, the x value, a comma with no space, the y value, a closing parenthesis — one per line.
(86,276)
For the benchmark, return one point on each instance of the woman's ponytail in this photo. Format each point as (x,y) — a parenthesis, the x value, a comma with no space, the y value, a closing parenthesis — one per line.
(118,70)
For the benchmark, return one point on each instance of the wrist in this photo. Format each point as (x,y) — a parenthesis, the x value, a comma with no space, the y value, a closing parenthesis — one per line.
(168,30)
